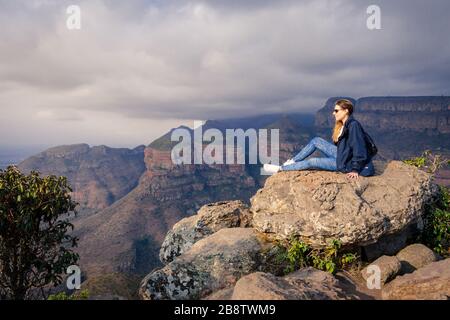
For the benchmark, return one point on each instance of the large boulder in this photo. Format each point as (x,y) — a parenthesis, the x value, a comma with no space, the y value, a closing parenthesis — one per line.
(209,219)
(431,282)
(211,264)
(319,206)
(304,284)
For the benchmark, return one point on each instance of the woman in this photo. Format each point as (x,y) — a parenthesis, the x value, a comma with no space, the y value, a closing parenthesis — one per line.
(348,154)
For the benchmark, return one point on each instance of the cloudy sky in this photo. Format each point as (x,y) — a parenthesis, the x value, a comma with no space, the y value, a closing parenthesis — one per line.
(137,68)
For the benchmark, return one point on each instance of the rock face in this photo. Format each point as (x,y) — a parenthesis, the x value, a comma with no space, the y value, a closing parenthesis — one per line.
(209,219)
(194,185)
(320,206)
(385,113)
(127,235)
(98,175)
(211,264)
(415,256)
(304,284)
(209,260)
(388,266)
(431,282)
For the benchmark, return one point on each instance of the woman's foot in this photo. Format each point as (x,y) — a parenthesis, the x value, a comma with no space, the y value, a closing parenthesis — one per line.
(288,162)
(271,168)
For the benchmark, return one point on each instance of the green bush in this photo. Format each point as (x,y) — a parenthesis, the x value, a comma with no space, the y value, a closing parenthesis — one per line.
(436,230)
(298,254)
(428,161)
(35,234)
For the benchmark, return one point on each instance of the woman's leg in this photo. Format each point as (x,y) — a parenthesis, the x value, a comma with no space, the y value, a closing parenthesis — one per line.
(327,163)
(317,143)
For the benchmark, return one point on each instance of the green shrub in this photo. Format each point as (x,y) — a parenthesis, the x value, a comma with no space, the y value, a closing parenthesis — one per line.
(428,161)
(418,162)
(436,230)
(36,239)
(298,254)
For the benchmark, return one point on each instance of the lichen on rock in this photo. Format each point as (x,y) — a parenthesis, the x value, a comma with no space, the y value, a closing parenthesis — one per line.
(209,219)
(211,264)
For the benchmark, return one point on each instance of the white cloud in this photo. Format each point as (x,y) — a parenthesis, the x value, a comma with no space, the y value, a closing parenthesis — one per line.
(136,62)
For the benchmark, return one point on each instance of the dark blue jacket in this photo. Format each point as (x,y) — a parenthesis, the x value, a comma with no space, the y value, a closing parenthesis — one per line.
(352,155)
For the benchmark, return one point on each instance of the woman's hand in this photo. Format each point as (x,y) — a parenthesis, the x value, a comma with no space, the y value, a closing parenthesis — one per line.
(353,175)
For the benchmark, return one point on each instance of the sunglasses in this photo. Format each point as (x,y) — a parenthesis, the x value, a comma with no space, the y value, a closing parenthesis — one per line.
(337,110)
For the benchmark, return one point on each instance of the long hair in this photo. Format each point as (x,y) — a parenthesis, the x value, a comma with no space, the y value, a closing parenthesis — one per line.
(346,105)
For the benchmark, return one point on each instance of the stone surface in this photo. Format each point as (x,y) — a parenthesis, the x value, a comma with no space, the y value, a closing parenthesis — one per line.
(320,206)
(389,268)
(209,219)
(352,282)
(390,244)
(431,282)
(213,263)
(98,175)
(415,256)
(304,284)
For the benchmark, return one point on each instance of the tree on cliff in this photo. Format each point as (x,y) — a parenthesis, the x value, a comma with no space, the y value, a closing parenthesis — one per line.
(35,247)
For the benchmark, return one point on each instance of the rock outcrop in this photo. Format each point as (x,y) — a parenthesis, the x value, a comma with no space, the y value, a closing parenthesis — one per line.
(225,251)
(431,282)
(304,284)
(209,219)
(320,206)
(213,263)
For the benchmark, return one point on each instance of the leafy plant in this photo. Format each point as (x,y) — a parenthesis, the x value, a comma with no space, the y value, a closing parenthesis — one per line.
(34,240)
(436,230)
(418,162)
(348,259)
(298,254)
(428,161)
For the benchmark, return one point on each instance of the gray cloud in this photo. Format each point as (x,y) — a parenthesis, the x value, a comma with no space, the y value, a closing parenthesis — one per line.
(159,62)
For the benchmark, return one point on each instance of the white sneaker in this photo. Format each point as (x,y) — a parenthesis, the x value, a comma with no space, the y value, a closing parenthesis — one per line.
(271,168)
(288,162)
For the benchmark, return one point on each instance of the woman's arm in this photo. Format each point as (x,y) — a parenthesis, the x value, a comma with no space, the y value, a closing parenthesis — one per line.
(358,146)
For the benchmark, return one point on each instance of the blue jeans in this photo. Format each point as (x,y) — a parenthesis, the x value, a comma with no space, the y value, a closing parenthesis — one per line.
(326,163)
